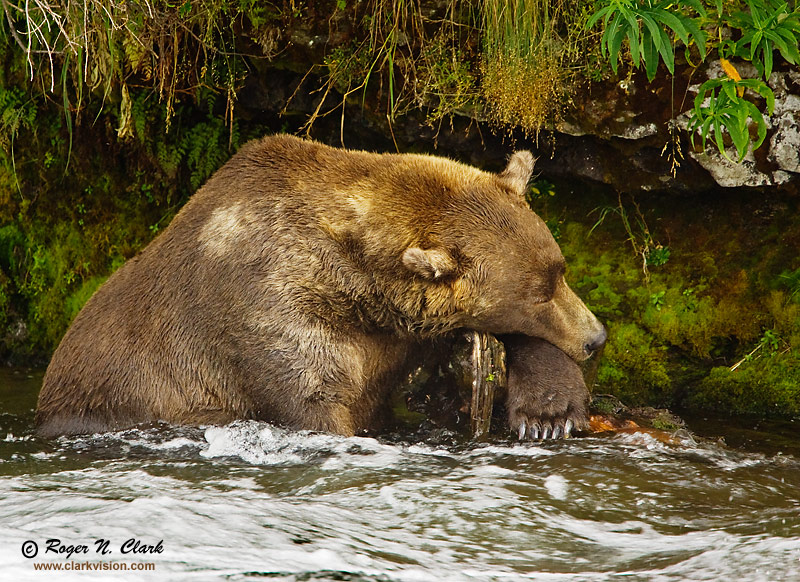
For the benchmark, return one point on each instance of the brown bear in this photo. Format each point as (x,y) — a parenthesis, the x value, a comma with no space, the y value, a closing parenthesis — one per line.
(297,285)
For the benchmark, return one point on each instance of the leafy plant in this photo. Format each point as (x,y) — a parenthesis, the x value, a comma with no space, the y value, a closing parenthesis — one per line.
(771,341)
(768,25)
(657,300)
(720,106)
(647,26)
(657,255)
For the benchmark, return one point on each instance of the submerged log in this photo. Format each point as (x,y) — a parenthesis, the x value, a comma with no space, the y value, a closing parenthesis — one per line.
(488,374)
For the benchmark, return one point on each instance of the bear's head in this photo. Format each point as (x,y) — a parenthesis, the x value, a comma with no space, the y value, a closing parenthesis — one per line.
(500,268)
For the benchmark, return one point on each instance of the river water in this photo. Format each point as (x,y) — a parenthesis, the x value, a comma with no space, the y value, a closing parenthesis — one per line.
(253,502)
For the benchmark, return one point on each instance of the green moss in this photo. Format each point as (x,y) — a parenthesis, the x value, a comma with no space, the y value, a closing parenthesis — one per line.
(602,273)
(769,385)
(666,421)
(785,313)
(689,318)
(634,366)
(607,404)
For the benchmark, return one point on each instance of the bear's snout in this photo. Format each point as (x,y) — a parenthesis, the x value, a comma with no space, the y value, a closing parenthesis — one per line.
(596,343)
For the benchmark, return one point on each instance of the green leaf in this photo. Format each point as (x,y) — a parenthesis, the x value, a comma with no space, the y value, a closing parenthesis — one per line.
(631,18)
(740,141)
(649,55)
(698,103)
(756,14)
(718,137)
(666,51)
(756,116)
(614,45)
(739,133)
(633,36)
(772,19)
(597,16)
(698,6)
(655,30)
(793,21)
(767,59)
(633,41)
(705,129)
(675,24)
(692,124)
(754,45)
(747,38)
(791,53)
(730,91)
(698,35)
(702,92)
(762,89)
(775,38)
(608,35)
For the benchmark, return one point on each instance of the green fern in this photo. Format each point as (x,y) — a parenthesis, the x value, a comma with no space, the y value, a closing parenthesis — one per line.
(16,113)
(205,150)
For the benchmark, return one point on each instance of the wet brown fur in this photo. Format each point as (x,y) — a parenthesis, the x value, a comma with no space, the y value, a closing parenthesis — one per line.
(297,285)
(545,388)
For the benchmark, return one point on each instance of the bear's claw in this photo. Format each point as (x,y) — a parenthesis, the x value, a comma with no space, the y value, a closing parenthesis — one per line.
(545,431)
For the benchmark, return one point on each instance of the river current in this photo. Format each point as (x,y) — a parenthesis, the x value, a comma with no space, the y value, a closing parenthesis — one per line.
(250,501)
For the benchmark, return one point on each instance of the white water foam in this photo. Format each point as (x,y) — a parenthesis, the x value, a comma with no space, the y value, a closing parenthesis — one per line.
(264,444)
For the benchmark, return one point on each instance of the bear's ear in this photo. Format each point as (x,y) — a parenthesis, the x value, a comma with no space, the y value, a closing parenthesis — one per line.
(519,170)
(432,264)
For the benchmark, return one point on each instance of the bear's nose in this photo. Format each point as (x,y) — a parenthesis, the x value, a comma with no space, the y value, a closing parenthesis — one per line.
(597,342)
